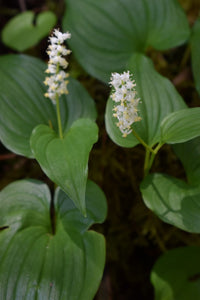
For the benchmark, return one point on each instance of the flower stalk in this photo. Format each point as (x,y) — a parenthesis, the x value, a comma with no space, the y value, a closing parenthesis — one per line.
(126,111)
(57,81)
(141,141)
(59,117)
(149,159)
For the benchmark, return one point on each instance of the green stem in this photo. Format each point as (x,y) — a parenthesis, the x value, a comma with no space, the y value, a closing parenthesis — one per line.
(142,142)
(150,162)
(146,162)
(158,147)
(53,216)
(150,153)
(186,56)
(58,117)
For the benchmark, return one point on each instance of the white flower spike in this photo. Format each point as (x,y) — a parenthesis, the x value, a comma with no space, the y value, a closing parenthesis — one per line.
(57,83)
(124,95)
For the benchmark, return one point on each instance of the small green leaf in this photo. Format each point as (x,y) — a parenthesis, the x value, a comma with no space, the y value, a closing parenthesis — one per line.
(158,99)
(181,126)
(65,161)
(176,274)
(173,201)
(189,154)
(20,33)
(106,33)
(36,264)
(195,45)
(23,105)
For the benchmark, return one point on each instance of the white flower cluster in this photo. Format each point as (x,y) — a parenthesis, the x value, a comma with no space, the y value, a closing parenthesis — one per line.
(125,96)
(57,83)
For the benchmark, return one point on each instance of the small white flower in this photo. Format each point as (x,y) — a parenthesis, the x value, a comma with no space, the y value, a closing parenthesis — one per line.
(57,83)
(124,95)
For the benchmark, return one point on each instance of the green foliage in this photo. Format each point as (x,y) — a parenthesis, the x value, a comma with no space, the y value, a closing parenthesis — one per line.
(181,126)
(175,275)
(107,36)
(20,33)
(195,44)
(65,161)
(173,201)
(106,33)
(45,259)
(189,154)
(23,105)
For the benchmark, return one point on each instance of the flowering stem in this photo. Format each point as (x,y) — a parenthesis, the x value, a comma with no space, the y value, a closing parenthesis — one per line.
(58,117)
(149,160)
(154,154)
(141,141)
(146,162)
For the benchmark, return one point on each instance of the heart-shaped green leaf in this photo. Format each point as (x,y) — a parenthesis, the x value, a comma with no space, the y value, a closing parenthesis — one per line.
(37,264)
(20,33)
(176,274)
(195,45)
(65,161)
(173,201)
(23,105)
(181,126)
(106,33)
(189,154)
(158,99)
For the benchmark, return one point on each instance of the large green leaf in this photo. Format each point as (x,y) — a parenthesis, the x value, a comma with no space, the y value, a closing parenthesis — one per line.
(181,126)
(189,154)
(20,33)
(158,99)
(23,105)
(195,45)
(173,201)
(176,275)
(106,33)
(65,161)
(37,264)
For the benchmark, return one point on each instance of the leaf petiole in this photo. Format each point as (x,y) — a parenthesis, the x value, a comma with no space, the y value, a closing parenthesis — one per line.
(141,141)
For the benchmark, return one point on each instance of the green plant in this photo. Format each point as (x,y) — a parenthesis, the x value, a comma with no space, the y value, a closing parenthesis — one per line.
(47,251)
(113,41)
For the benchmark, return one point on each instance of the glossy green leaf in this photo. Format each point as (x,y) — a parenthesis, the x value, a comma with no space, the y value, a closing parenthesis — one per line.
(65,161)
(106,33)
(189,154)
(37,264)
(95,203)
(26,30)
(176,274)
(173,201)
(181,126)
(195,46)
(158,99)
(23,105)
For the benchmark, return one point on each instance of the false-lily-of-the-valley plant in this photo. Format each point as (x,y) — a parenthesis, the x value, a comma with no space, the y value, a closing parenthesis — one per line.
(48,249)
